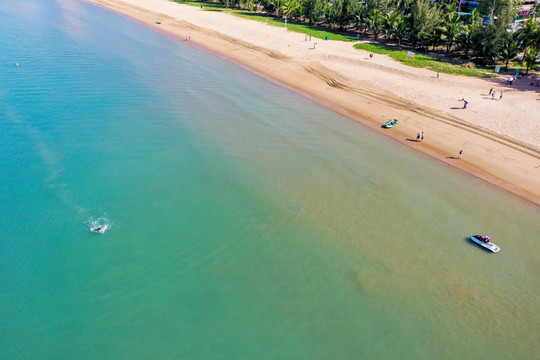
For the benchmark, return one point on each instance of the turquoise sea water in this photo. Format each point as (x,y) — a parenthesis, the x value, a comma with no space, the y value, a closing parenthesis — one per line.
(246,221)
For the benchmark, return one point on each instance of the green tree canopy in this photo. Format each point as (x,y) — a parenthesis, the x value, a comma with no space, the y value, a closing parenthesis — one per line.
(312,10)
(424,19)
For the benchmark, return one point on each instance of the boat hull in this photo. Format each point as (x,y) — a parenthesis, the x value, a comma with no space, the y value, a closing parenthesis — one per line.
(391,123)
(490,246)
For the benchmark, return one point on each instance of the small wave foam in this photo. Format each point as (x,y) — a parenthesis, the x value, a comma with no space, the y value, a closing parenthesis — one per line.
(99,225)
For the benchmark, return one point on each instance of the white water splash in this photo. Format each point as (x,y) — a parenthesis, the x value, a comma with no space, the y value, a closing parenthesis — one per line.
(99,225)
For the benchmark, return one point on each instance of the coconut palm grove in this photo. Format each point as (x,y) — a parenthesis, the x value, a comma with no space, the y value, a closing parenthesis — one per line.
(483,32)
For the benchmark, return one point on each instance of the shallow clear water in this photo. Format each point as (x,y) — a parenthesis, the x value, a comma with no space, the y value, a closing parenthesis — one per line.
(245,221)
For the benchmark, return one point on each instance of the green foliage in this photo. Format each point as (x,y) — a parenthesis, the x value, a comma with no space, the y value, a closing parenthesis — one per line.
(486,6)
(400,29)
(421,23)
(402,5)
(487,43)
(529,35)
(377,4)
(213,6)
(424,19)
(451,29)
(394,22)
(361,16)
(529,40)
(536,10)
(509,49)
(529,56)
(424,61)
(468,33)
(341,13)
(291,9)
(298,27)
(376,22)
(312,10)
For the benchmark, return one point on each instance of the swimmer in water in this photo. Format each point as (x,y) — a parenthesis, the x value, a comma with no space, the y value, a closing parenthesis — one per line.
(99,229)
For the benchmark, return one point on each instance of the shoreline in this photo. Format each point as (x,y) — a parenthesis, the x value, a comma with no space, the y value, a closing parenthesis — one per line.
(331,76)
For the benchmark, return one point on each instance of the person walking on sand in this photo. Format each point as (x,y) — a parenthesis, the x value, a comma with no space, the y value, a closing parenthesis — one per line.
(465,103)
(417,136)
(422,138)
(437,74)
(460,154)
(493,95)
(501,95)
(490,91)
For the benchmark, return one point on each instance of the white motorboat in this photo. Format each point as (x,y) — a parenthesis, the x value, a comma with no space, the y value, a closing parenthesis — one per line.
(485,241)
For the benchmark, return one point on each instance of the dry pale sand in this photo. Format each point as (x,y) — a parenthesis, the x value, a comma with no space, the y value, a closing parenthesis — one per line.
(500,138)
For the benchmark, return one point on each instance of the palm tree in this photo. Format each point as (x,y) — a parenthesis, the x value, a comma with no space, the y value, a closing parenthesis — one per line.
(529,35)
(465,38)
(312,10)
(450,30)
(276,6)
(401,29)
(424,19)
(361,16)
(341,13)
(475,17)
(376,22)
(487,43)
(529,56)
(509,49)
(291,8)
(468,31)
(536,10)
(402,5)
(396,25)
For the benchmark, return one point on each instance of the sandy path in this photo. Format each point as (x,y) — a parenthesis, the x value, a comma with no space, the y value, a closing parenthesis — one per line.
(500,138)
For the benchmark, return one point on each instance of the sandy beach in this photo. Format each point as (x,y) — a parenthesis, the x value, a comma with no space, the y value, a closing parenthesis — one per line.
(500,137)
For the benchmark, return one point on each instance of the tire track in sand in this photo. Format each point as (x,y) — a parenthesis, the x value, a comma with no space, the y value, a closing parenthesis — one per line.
(336,81)
(332,79)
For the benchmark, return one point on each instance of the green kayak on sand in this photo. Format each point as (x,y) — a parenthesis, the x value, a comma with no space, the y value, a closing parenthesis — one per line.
(391,123)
